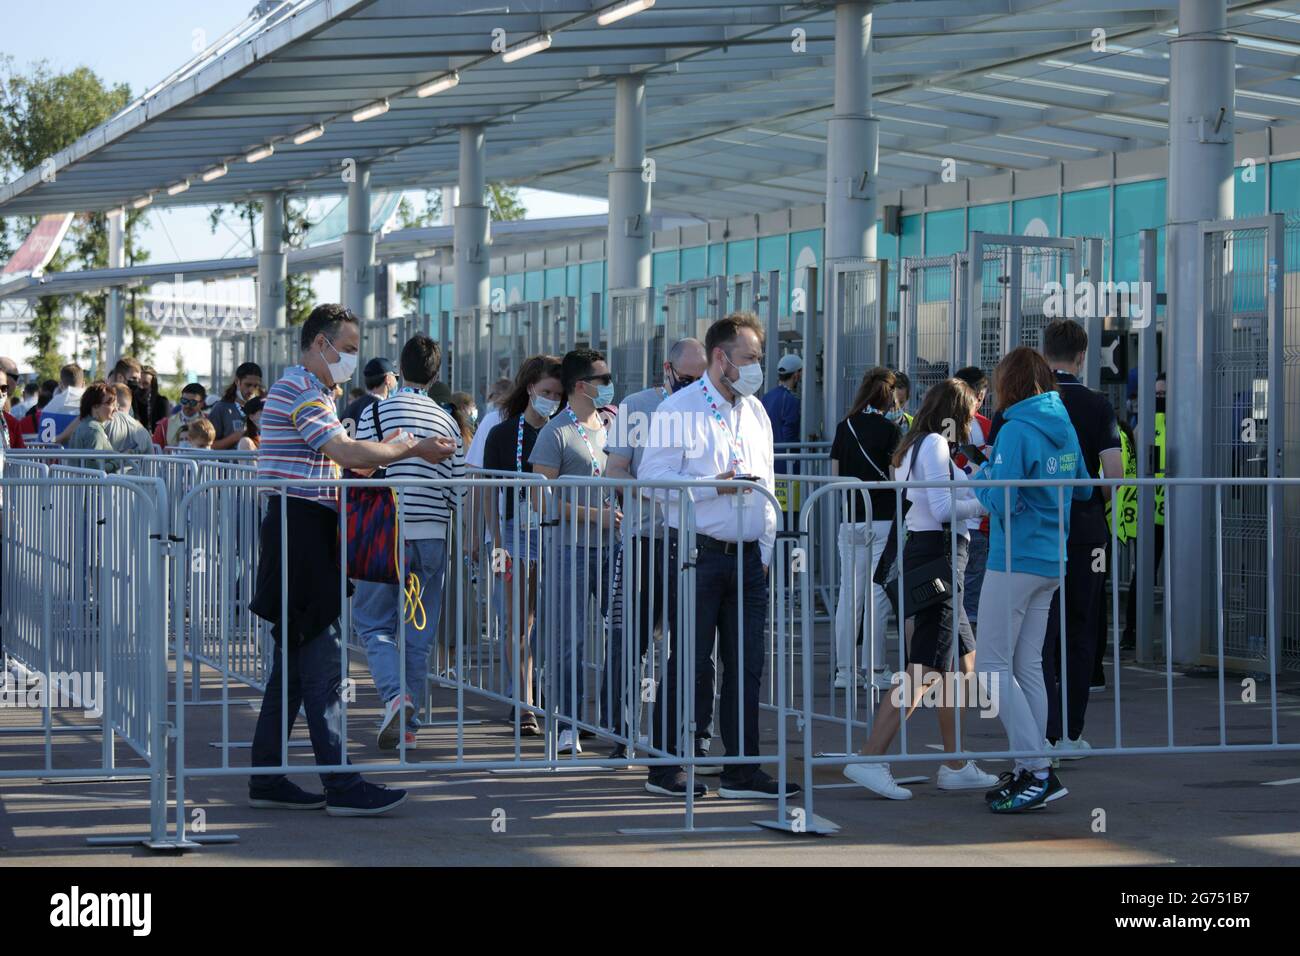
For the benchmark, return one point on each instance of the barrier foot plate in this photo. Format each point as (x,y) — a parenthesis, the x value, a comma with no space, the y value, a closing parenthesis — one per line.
(683,831)
(164,846)
(816,825)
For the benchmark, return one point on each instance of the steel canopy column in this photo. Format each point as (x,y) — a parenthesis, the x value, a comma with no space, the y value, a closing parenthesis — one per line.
(471,224)
(629,193)
(852,141)
(1201,90)
(272,265)
(359,248)
(115,316)
(852,145)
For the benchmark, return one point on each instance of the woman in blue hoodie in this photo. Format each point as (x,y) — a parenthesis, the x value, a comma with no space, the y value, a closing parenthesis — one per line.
(1028,527)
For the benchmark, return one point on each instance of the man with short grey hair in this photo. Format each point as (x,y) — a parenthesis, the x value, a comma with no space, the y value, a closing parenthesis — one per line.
(644,551)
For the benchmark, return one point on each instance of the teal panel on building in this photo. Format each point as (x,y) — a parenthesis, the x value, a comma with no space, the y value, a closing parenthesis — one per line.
(741,256)
(572,279)
(994,219)
(664,269)
(717,260)
(1139,206)
(1285,187)
(515,288)
(774,253)
(1249,191)
(1035,217)
(593,280)
(556,283)
(1086,212)
(534,285)
(694,263)
(806,253)
(909,243)
(945,232)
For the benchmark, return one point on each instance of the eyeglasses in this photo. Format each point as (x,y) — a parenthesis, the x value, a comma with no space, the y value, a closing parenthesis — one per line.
(600,379)
(189,402)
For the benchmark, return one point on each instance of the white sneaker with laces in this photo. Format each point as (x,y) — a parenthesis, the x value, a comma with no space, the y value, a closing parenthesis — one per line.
(969,777)
(397,712)
(568,743)
(883,680)
(841,680)
(1067,749)
(877,778)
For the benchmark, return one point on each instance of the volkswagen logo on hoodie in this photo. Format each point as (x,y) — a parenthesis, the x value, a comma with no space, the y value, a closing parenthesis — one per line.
(1051,465)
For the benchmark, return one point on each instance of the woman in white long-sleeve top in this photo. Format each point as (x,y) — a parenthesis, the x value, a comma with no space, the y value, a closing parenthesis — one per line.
(925,455)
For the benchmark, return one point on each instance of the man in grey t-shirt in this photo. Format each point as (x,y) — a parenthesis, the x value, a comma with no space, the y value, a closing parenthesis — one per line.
(645,551)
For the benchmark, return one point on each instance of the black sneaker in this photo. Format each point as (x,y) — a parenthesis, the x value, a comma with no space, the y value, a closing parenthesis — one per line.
(701,755)
(1027,792)
(364,800)
(1055,790)
(585,734)
(1006,780)
(285,795)
(618,753)
(760,786)
(672,785)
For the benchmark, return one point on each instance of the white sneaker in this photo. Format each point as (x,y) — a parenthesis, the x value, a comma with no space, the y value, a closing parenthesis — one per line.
(1067,749)
(877,778)
(883,680)
(397,713)
(568,743)
(969,777)
(841,680)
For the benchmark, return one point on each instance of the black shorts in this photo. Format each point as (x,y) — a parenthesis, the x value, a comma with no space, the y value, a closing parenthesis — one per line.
(931,644)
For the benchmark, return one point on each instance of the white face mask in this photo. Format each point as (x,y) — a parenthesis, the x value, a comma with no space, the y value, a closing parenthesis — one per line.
(342,370)
(546,407)
(750,380)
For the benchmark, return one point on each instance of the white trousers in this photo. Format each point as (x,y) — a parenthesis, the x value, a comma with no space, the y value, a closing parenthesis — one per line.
(860,546)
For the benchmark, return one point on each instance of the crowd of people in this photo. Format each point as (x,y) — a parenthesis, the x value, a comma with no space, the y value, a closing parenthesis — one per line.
(981,563)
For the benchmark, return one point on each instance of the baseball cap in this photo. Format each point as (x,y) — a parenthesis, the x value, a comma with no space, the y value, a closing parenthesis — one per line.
(379,366)
(789,364)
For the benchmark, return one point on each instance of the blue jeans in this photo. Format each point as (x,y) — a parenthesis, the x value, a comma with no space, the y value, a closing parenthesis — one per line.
(717,622)
(375,610)
(575,575)
(314,682)
(977,559)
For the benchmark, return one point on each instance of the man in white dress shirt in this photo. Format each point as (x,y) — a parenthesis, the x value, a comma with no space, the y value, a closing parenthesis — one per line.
(717,429)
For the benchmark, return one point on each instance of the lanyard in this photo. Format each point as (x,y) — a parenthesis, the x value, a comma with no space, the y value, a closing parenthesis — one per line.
(582,433)
(664,392)
(737,462)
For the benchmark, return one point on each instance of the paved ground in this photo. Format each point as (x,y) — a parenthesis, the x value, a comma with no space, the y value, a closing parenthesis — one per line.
(1224,808)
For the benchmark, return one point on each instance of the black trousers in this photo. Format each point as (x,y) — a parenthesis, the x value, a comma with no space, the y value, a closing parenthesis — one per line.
(1130,606)
(1083,588)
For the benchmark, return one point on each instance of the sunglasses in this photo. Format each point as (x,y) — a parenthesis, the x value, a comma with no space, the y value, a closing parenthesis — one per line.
(600,379)
(189,402)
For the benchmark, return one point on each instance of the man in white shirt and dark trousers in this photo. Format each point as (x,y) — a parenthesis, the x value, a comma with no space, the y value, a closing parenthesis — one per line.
(726,435)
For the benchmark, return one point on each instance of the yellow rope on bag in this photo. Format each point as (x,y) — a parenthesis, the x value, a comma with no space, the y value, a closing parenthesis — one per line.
(414,602)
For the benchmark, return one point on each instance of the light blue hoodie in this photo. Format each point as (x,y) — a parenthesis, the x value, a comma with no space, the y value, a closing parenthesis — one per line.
(1036,440)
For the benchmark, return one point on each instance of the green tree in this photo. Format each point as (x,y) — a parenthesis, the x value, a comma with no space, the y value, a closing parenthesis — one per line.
(41,113)
(504,204)
(298,292)
(180,378)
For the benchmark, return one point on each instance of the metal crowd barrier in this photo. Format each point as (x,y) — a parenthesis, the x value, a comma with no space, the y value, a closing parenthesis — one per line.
(82,618)
(566,616)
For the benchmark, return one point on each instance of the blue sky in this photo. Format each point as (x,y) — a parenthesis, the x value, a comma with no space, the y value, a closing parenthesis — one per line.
(139,42)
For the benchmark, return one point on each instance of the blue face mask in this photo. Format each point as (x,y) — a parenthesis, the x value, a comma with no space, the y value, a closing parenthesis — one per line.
(604,395)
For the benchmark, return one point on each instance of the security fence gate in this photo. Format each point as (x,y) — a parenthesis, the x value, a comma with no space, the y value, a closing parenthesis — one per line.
(1013,283)
(931,297)
(637,343)
(855,323)
(1251,304)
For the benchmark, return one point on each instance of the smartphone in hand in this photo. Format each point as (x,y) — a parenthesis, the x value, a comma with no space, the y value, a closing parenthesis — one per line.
(973,453)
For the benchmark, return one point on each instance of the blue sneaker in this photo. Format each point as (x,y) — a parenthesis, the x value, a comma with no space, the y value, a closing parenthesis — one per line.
(283,795)
(364,800)
(1026,792)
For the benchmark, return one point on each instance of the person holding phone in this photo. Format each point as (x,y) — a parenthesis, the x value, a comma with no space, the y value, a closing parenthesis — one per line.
(1035,440)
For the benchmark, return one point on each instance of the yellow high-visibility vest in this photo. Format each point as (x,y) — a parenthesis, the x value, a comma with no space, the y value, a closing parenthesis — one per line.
(1160,467)
(1126,495)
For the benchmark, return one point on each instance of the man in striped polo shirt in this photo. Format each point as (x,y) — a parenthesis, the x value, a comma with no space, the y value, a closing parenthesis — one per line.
(303,441)
(427,514)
